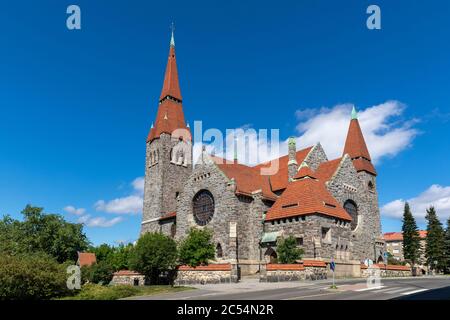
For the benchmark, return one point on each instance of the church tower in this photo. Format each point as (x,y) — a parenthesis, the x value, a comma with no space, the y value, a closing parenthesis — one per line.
(368,235)
(168,154)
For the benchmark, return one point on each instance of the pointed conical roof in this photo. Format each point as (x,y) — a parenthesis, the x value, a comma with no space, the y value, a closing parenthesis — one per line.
(171,86)
(355,145)
(356,148)
(170,116)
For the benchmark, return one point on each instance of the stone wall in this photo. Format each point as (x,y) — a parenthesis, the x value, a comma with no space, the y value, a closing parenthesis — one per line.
(210,274)
(308,270)
(163,181)
(310,229)
(347,184)
(125,277)
(386,271)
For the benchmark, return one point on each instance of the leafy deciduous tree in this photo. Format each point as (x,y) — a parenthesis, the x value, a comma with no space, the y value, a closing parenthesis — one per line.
(197,249)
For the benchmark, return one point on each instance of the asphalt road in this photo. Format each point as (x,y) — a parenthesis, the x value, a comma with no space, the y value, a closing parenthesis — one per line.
(424,288)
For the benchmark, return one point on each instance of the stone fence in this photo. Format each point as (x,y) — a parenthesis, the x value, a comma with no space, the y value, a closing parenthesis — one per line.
(306,270)
(128,277)
(386,271)
(212,273)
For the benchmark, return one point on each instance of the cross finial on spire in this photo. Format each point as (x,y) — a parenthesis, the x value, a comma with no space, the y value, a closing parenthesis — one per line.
(172,39)
(354,113)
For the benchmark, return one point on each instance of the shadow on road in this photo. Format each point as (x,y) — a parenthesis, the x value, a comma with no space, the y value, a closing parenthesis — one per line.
(436,294)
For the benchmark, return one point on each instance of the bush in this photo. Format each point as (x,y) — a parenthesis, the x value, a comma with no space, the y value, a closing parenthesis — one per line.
(93,291)
(31,277)
(153,255)
(197,249)
(287,250)
(101,273)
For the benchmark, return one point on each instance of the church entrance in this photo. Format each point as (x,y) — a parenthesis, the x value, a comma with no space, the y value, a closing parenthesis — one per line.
(271,256)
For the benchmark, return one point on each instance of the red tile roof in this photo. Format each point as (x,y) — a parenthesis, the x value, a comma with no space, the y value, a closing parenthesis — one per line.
(248,179)
(362,164)
(314,263)
(356,148)
(209,267)
(304,172)
(127,273)
(355,145)
(169,216)
(326,169)
(398,236)
(171,86)
(293,267)
(86,259)
(306,196)
(393,267)
(279,181)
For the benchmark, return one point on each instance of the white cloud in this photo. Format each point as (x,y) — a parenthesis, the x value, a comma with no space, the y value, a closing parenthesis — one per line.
(101,222)
(131,204)
(384,132)
(138,185)
(436,195)
(76,211)
(126,205)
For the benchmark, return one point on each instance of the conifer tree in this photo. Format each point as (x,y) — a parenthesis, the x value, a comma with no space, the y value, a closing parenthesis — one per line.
(411,239)
(434,250)
(447,248)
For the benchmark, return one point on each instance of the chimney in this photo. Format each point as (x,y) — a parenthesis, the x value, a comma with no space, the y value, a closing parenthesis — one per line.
(292,153)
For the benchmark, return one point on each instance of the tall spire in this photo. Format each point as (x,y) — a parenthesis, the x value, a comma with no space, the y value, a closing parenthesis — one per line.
(356,148)
(171,86)
(170,115)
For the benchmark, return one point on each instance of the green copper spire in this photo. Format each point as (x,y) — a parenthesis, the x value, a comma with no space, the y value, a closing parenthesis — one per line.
(172,39)
(354,113)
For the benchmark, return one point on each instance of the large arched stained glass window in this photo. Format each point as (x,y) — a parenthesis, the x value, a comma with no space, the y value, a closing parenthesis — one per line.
(203,207)
(352,210)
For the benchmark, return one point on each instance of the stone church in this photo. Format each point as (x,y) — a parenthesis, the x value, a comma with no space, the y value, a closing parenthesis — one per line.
(329,206)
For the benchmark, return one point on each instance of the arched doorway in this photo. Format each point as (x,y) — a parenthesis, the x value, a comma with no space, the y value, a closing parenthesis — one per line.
(271,256)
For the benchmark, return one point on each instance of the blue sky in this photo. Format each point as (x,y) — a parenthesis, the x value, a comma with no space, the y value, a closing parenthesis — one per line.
(76,106)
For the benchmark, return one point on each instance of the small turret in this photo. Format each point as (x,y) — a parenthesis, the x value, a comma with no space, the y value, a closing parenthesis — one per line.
(292,154)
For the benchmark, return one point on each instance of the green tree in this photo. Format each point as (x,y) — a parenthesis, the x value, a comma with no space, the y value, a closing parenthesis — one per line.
(153,255)
(392,260)
(287,250)
(411,238)
(435,243)
(197,249)
(39,232)
(31,276)
(100,272)
(447,248)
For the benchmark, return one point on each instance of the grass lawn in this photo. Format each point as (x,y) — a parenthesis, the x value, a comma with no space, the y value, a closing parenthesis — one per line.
(99,292)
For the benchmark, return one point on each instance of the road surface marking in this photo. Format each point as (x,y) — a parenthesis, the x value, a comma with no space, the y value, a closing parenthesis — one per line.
(398,290)
(411,292)
(367,289)
(390,288)
(310,296)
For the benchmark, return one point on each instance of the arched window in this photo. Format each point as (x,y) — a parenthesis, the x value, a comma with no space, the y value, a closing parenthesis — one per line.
(219,251)
(203,207)
(352,210)
(370,186)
